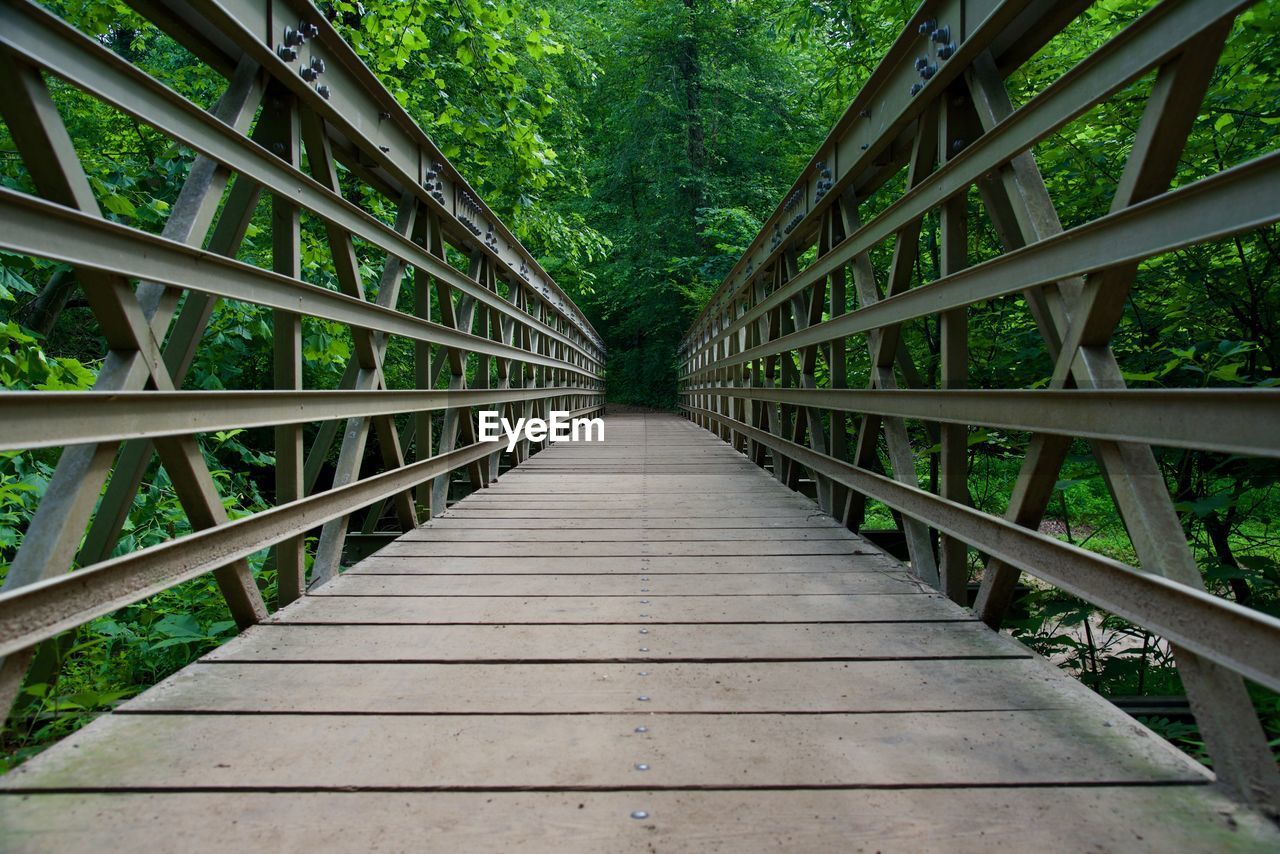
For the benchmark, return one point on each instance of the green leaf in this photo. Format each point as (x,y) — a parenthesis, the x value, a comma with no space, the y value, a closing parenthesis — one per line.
(118,204)
(179,625)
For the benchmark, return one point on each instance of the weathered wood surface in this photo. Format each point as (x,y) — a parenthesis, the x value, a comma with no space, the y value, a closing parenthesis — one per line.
(478,686)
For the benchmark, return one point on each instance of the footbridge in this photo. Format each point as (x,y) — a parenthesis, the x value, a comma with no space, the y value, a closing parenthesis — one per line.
(682,637)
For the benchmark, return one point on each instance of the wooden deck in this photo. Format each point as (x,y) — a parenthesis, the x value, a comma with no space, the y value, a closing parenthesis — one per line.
(645,644)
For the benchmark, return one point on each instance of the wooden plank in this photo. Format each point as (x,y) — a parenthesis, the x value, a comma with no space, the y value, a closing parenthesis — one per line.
(587,510)
(1191,819)
(790,608)
(609,515)
(587,642)
(476,520)
(668,503)
(614,584)
(603,751)
(411,548)
(550,534)
(377,688)
(652,566)
(725,489)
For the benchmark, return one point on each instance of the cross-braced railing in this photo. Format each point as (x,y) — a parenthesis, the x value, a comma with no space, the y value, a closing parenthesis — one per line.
(767,363)
(499,334)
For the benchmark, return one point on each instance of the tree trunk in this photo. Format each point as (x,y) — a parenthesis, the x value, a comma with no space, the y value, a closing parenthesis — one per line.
(1219,535)
(41,313)
(695,138)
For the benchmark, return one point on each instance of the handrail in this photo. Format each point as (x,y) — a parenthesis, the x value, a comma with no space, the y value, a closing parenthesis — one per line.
(500,334)
(765,364)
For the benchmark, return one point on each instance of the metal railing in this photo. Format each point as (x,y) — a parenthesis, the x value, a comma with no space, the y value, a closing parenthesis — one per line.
(765,365)
(499,335)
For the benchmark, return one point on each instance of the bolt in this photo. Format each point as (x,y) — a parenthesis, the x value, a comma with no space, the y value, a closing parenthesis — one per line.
(384,117)
(866,114)
(311,30)
(292,37)
(323,91)
(640,766)
(947,51)
(916,87)
(644,672)
(928,71)
(642,729)
(639,814)
(957,146)
(927,27)
(644,631)
(921,62)
(942,34)
(286,53)
(307,73)
(644,649)
(643,698)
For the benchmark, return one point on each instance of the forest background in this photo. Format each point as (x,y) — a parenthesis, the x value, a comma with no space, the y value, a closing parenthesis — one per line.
(636,146)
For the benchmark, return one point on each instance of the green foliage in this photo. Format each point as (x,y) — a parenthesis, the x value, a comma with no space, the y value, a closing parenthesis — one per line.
(698,120)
